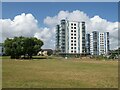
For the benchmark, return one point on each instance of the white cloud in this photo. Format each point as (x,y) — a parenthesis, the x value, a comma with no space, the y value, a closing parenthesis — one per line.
(27,25)
(21,25)
(72,16)
(47,35)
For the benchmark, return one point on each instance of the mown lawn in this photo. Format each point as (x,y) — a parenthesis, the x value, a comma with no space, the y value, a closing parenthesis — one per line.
(59,73)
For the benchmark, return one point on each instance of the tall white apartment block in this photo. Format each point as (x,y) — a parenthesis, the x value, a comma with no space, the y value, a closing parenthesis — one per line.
(70,37)
(94,43)
(103,43)
(99,43)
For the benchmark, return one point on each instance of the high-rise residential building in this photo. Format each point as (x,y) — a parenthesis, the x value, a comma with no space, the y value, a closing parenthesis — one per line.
(94,43)
(99,43)
(87,43)
(104,43)
(57,37)
(71,37)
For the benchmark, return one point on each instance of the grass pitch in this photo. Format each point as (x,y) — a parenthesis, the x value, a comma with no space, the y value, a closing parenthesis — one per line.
(59,73)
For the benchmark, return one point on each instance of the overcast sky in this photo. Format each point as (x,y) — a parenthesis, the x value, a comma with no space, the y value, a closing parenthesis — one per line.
(39,19)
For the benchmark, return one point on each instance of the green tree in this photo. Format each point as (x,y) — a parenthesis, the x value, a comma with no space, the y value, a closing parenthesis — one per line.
(26,46)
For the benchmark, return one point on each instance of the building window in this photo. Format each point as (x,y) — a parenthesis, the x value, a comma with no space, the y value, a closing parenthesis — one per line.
(74,24)
(71,34)
(71,27)
(74,27)
(74,44)
(72,51)
(74,47)
(71,24)
(74,34)
(71,44)
(75,41)
(71,37)
(71,47)
(83,37)
(74,37)
(74,30)
(71,30)
(71,40)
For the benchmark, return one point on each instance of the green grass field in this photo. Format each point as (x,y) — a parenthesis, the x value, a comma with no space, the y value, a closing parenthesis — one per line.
(59,73)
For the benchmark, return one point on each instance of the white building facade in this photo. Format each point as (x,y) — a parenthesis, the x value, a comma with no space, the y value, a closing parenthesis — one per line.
(103,43)
(71,37)
(99,43)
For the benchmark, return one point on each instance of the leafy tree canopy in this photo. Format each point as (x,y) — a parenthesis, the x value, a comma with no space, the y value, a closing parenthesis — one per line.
(26,46)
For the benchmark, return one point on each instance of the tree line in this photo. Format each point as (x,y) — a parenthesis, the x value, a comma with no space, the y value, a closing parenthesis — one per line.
(24,47)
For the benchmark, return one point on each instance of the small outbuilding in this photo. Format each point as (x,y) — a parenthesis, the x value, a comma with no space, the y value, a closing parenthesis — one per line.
(45,52)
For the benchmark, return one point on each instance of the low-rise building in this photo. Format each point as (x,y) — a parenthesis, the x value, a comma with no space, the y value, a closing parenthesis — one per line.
(45,52)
